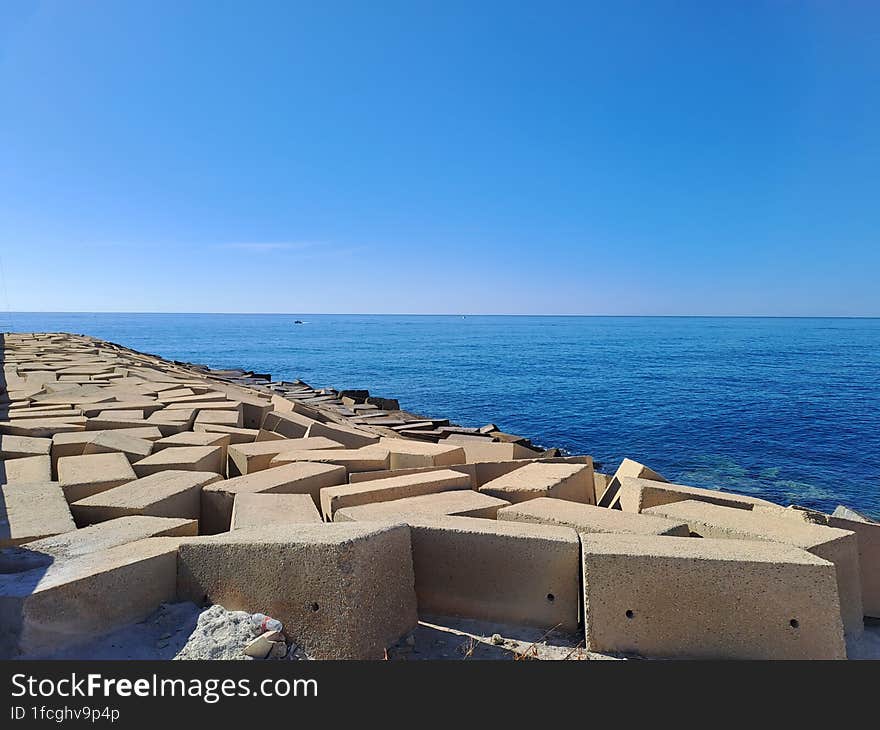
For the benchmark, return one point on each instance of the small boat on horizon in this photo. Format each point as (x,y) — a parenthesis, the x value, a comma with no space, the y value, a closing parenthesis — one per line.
(298,321)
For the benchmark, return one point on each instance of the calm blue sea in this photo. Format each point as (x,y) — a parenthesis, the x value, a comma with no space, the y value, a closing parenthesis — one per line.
(788,409)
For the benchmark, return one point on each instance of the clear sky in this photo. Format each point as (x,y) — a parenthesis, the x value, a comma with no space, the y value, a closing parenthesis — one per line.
(649,157)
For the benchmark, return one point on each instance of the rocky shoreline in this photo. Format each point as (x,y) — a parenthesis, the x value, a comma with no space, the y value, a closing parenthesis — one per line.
(366,529)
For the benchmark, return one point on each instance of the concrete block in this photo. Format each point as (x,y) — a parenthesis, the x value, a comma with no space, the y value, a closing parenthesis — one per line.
(573,482)
(248,458)
(368,458)
(82,476)
(299,478)
(73,444)
(188,458)
(26,469)
(30,511)
(17,447)
(348,436)
(290,425)
(709,599)
(385,490)
(497,571)
(408,454)
(867,535)
(368,476)
(490,451)
(106,442)
(637,495)
(169,493)
(589,518)
(236,435)
(455,503)
(260,510)
(344,590)
(627,468)
(836,546)
(93,539)
(42,427)
(69,602)
(264,435)
(221,418)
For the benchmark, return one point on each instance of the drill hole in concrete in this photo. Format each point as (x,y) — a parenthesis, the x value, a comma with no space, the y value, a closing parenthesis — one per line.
(551,597)
(629,613)
(313,607)
(794,623)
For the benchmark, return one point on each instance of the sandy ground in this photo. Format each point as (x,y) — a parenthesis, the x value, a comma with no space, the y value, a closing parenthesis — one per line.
(185,631)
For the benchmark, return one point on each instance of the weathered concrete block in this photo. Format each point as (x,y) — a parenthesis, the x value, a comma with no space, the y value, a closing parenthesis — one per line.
(169,493)
(485,450)
(26,469)
(298,478)
(867,534)
(454,503)
(93,539)
(73,444)
(709,599)
(344,590)
(188,458)
(17,447)
(836,546)
(385,490)
(368,476)
(497,571)
(82,476)
(261,510)
(72,601)
(248,458)
(627,468)
(236,435)
(637,495)
(348,436)
(42,427)
(220,417)
(367,458)
(30,511)
(573,482)
(290,425)
(589,518)
(106,442)
(408,454)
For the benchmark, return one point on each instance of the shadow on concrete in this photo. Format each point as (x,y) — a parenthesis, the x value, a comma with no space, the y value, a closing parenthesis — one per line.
(21,569)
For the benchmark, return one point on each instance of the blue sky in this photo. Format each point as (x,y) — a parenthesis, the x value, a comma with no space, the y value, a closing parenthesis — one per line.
(573,158)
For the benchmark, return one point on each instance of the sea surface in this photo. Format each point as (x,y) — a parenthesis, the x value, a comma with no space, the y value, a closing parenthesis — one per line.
(787,409)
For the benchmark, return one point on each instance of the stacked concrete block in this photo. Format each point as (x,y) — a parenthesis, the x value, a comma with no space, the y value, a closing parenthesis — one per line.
(392,488)
(82,476)
(589,518)
(407,454)
(709,599)
(348,436)
(299,478)
(637,495)
(260,510)
(628,468)
(29,511)
(256,456)
(17,447)
(132,447)
(169,493)
(71,601)
(26,469)
(345,591)
(839,547)
(497,571)
(366,458)
(455,503)
(189,458)
(572,482)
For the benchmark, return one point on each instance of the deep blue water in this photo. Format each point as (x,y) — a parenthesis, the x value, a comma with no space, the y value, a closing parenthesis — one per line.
(788,409)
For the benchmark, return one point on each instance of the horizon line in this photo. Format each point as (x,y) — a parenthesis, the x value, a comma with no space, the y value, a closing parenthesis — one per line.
(461,314)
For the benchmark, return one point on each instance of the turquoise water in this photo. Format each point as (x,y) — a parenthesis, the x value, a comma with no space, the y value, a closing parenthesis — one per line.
(788,409)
